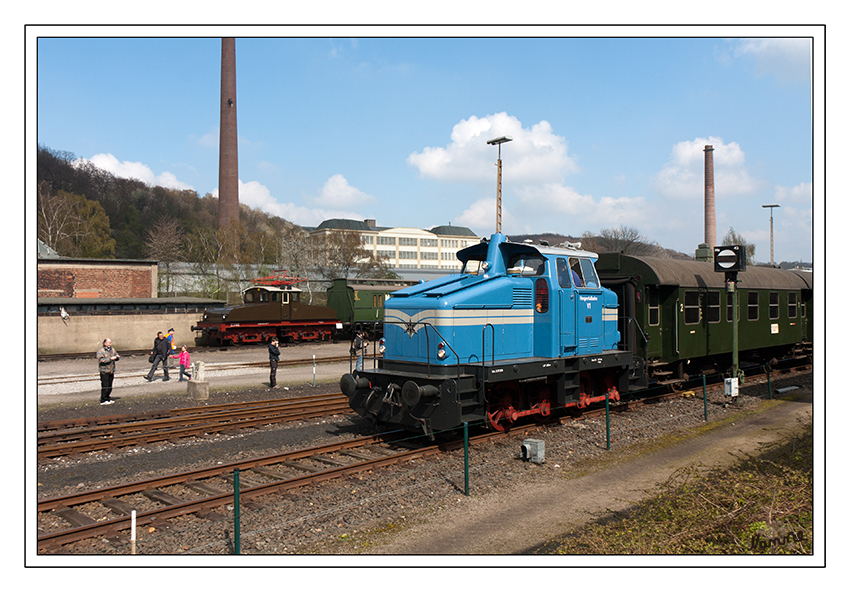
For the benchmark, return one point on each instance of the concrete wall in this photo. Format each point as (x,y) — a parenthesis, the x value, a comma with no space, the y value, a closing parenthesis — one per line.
(82,334)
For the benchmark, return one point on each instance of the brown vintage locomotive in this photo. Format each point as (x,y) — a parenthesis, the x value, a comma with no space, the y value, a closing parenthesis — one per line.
(271,307)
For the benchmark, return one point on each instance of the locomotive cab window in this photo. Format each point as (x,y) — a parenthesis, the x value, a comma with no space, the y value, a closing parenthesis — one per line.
(563,273)
(473,267)
(583,273)
(525,265)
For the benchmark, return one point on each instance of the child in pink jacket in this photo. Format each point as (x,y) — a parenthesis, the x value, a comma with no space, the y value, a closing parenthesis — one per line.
(184,363)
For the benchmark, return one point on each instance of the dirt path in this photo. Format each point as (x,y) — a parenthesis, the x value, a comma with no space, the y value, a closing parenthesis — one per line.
(529,516)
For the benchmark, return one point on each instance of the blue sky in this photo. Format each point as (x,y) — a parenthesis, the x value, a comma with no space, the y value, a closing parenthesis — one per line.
(607,131)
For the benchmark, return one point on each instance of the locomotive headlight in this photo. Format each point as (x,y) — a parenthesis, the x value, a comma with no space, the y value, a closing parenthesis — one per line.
(441,351)
(382,345)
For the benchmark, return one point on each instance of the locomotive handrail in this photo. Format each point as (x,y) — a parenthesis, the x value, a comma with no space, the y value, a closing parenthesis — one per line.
(483,345)
(642,334)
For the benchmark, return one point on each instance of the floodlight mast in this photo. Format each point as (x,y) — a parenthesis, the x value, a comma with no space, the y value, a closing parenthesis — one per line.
(498,142)
(771,206)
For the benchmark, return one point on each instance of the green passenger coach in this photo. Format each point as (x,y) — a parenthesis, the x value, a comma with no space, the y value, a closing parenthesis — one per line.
(359,302)
(677,314)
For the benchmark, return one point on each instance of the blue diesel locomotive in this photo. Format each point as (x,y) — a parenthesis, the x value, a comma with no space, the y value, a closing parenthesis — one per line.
(522,330)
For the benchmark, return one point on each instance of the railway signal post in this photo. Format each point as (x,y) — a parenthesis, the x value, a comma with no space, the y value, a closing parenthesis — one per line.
(730,260)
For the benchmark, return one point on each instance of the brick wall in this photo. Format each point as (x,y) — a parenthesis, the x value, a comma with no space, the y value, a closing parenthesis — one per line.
(58,279)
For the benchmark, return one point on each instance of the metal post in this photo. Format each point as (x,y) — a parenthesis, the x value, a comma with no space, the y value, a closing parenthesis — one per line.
(731,289)
(769,389)
(236,542)
(314,369)
(132,532)
(499,192)
(607,423)
(465,459)
(704,398)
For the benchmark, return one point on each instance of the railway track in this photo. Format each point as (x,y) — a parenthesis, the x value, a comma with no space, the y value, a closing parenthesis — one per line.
(205,493)
(68,437)
(106,511)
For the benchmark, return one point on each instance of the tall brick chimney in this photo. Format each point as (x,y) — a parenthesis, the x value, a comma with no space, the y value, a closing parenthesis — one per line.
(228,162)
(710,230)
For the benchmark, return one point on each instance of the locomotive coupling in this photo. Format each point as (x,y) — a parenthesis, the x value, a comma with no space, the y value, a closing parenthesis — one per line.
(349,385)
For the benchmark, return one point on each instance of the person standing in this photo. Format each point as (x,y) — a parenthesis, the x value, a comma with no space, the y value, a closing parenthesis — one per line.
(360,345)
(160,353)
(274,357)
(106,357)
(172,347)
(185,362)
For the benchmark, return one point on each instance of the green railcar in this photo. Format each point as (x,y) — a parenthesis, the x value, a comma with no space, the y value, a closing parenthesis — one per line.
(677,314)
(359,302)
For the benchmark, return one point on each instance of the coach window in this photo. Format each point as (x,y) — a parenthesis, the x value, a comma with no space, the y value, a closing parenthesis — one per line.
(712,308)
(752,306)
(792,305)
(773,310)
(652,304)
(692,307)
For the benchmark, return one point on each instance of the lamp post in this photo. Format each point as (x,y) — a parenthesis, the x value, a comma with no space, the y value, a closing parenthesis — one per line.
(498,142)
(771,206)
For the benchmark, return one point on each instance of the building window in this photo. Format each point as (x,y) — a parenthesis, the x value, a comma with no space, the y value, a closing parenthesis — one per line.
(792,305)
(386,240)
(450,243)
(752,306)
(692,312)
(712,309)
(428,255)
(367,239)
(407,242)
(407,255)
(427,242)
(773,309)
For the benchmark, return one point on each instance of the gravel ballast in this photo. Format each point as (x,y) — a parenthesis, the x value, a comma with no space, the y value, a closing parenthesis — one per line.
(360,514)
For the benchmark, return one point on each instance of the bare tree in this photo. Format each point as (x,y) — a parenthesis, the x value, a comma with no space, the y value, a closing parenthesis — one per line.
(165,244)
(341,253)
(733,238)
(72,225)
(623,239)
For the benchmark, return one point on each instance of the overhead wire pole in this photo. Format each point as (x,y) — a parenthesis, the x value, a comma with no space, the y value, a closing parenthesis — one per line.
(498,142)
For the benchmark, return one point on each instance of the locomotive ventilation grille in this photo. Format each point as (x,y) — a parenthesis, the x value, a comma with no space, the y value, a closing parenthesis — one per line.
(584,342)
(523,296)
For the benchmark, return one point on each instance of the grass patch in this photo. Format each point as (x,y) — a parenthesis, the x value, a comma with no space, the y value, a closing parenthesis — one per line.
(762,505)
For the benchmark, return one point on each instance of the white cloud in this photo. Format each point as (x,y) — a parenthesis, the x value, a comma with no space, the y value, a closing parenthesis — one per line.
(801,193)
(683,176)
(788,60)
(134,170)
(258,196)
(536,154)
(480,216)
(337,193)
